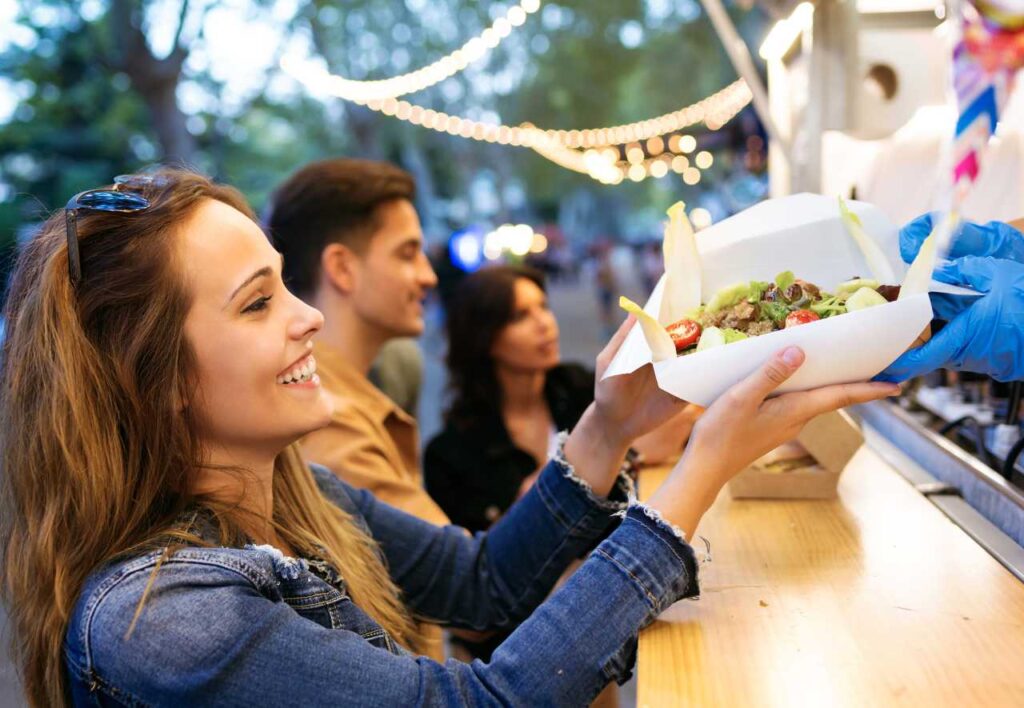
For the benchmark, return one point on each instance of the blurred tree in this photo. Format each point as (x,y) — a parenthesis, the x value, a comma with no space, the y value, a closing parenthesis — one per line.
(106,86)
(123,46)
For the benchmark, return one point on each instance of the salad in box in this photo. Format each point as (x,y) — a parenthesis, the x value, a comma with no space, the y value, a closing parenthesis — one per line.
(804,270)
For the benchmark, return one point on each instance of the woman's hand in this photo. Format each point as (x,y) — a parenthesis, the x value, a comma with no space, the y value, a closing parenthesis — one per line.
(741,426)
(632,404)
(665,443)
(624,408)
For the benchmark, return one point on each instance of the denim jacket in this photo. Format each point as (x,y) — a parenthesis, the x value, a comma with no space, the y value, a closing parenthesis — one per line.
(247,626)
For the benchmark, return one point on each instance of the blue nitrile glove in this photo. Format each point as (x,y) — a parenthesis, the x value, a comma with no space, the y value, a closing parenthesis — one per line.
(985,334)
(994,239)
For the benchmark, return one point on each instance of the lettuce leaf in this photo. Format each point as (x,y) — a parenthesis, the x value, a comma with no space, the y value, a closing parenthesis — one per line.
(828,306)
(775,311)
(784,279)
(757,289)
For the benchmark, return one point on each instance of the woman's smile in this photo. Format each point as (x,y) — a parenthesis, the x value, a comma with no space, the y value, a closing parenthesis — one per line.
(301,374)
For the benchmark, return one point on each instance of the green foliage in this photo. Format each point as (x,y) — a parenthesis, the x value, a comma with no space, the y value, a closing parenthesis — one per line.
(83,120)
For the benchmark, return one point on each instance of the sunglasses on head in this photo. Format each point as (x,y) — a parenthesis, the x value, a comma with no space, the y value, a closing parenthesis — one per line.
(121,199)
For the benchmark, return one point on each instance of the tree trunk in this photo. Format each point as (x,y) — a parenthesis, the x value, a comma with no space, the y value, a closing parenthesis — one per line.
(155,80)
(178,144)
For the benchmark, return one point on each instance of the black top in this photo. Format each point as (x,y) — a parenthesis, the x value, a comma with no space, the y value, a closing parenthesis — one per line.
(473,471)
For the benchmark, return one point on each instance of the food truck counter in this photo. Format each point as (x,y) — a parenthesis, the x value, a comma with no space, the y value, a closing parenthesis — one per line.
(877,597)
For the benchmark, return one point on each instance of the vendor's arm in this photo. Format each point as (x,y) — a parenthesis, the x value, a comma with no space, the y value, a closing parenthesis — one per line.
(985,334)
(996,239)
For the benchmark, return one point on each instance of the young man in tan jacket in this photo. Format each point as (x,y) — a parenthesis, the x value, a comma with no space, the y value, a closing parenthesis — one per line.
(353,248)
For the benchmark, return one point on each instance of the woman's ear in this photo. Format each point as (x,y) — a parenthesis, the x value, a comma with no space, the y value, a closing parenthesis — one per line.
(339,267)
(180,402)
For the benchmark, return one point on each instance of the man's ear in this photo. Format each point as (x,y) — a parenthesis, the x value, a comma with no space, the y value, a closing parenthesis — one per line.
(339,266)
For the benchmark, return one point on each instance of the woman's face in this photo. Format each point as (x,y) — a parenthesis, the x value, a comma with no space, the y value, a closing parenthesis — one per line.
(257,390)
(529,342)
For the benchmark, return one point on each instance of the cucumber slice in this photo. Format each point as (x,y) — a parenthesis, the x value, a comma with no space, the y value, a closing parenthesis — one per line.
(852,286)
(863,298)
(710,338)
(733,335)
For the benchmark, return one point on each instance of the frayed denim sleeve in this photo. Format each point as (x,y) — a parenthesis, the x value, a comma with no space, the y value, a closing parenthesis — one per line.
(622,492)
(216,631)
(492,580)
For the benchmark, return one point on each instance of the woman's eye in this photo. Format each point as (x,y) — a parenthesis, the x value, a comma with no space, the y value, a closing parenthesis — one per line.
(258,304)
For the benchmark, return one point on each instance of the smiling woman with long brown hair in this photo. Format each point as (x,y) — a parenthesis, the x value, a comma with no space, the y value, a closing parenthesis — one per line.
(164,544)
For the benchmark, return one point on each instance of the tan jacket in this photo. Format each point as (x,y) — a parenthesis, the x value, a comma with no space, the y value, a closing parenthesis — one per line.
(372,444)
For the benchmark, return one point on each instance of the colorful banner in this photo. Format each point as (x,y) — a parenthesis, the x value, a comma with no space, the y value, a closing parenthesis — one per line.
(986,59)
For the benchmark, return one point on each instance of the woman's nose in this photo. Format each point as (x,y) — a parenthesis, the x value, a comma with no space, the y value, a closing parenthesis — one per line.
(307,321)
(546,321)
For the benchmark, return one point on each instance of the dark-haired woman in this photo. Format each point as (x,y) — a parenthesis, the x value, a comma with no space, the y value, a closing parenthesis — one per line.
(511,396)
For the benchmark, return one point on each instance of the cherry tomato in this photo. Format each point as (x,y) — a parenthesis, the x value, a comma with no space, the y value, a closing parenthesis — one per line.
(799,317)
(684,333)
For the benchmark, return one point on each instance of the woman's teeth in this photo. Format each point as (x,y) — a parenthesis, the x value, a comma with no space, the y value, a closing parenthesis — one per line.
(301,373)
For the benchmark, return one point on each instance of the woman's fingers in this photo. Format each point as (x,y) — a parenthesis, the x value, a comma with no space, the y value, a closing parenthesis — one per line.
(772,374)
(809,404)
(613,345)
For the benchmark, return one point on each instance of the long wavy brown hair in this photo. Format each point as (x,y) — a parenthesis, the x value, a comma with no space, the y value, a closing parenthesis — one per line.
(98,460)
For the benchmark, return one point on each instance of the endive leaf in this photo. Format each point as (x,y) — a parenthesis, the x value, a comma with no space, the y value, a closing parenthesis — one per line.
(682,267)
(919,275)
(878,264)
(657,337)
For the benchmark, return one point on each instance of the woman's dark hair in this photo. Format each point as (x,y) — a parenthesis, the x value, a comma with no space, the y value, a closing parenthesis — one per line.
(482,305)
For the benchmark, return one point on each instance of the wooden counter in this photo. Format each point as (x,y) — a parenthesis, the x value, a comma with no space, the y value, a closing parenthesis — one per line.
(872,599)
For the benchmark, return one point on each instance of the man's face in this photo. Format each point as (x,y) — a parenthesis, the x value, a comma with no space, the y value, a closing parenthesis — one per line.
(393,275)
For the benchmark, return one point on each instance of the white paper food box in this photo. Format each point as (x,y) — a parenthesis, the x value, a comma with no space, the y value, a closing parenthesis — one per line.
(803,233)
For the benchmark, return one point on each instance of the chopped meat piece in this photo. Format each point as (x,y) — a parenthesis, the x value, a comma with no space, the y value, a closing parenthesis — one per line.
(760,327)
(713,319)
(889,292)
(740,316)
(810,289)
(793,294)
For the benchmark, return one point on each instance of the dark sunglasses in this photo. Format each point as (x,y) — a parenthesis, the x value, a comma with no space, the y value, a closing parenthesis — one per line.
(121,199)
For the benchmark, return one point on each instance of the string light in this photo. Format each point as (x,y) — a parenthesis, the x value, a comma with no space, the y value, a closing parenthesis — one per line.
(605,166)
(717,109)
(315,75)
(591,151)
(599,162)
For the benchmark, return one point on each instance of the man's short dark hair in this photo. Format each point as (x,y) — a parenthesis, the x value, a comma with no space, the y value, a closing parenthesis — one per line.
(330,201)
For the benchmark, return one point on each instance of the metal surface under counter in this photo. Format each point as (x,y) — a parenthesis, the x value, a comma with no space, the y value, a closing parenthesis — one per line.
(973,495)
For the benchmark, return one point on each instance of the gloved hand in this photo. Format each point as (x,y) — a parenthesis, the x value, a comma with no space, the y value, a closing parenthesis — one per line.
(994,239)
(985,334)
